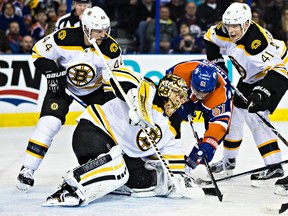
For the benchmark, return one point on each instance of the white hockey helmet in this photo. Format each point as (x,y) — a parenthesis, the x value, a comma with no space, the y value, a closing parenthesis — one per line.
(237,13)
(95,18)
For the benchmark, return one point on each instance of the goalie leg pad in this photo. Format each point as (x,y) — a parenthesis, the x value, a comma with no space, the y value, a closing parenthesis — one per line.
(98,177)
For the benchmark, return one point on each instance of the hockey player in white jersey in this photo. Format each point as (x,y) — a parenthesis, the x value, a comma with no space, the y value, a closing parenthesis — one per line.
(113,151)
(262,64)
(68,60)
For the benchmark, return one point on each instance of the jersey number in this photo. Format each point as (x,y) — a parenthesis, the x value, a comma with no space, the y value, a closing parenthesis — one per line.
(266,56)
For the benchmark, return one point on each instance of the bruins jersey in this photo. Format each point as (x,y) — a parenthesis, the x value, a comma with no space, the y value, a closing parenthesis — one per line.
(113,119)
(216,106)
(253,55)
(85,68)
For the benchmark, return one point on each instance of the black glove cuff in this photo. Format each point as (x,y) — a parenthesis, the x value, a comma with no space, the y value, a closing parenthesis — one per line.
(262,90)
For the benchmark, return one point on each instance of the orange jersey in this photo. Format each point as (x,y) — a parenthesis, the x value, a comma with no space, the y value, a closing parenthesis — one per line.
(216,106)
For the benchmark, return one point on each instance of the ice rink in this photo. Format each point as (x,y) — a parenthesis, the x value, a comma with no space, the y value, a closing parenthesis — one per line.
(239,199)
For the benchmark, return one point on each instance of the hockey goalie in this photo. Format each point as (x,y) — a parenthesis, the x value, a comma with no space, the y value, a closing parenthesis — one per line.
(112,143)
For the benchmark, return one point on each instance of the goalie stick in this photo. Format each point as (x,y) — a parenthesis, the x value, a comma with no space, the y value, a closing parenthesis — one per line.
(217,190)
(204,182)
(274,208)
(198,192)
(261,116)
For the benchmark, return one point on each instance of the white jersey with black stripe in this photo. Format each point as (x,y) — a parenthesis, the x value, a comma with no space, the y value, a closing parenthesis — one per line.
(254,54)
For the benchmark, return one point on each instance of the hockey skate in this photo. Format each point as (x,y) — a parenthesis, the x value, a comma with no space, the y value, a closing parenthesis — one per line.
(65,196)
(268,177)
(223,167)
(25,179)
(281,186)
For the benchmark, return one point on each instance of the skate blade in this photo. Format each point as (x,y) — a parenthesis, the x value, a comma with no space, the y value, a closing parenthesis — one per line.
(222,174)
(269,183)
(281,191)
(23,187)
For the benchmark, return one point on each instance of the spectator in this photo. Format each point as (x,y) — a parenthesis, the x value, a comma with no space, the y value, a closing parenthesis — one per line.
(145,12)
(127,17)
(210,12)
(73,19)
(8,15)
(283,33)
(4,43)
(188,45)
(184,29)
(48,5)
(257,17)
(168,30)
(39,28)
(190,17)
(62,10)
(272,16)
(14,37)
(26,45)
(176,8)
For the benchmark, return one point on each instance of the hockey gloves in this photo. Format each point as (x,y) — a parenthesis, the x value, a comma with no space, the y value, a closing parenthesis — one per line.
(56,81)
(206,149)
(186,109)
(258,99)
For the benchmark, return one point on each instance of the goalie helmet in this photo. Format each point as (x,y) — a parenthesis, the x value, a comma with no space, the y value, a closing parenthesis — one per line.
(203,80)
(237,13)
(95,18)
(174,91)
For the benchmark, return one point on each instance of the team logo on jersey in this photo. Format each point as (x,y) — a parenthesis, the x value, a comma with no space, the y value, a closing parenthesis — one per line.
(219,25)
(81,74)
(54,106)
(154,134)
(255,44)
(113,47)
(62,35)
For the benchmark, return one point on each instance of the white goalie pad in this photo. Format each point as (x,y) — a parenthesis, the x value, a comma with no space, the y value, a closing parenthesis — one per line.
(99,177)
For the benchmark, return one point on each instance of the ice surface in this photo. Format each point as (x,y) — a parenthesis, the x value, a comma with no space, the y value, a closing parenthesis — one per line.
(240,197)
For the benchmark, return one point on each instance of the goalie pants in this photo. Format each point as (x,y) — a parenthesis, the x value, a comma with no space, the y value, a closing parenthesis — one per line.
(58,107)
(89,142)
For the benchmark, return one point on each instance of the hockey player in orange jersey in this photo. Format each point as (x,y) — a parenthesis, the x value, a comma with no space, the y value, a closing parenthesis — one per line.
(209,93)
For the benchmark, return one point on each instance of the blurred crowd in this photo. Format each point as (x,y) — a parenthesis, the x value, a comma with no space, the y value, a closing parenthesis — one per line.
(182,22)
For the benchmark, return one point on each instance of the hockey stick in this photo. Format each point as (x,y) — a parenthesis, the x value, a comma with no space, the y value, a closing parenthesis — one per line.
(196,193)
(204,182)
(261,116)
(69,93)
(217,190)
(274,208)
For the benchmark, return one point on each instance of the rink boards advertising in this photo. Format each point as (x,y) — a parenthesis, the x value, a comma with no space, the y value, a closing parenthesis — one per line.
(22,90)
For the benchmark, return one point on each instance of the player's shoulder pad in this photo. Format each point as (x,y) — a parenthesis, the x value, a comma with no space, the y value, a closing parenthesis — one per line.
(221,31)
(70,36)
(110,48)
(255,40)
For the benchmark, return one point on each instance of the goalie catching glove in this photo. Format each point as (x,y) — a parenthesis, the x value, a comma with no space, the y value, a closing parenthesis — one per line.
(56,81)
(207,148)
